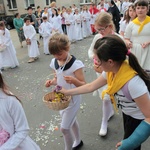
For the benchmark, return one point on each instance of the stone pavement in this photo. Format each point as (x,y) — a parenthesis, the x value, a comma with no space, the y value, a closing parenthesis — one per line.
(27,82)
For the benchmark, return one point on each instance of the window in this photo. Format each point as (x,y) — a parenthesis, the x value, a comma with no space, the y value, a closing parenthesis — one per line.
(29,3)
(2,10)
(85,1)
(12,4)
(49,1)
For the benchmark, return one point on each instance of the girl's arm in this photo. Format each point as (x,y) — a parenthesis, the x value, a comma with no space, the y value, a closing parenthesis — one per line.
(24,32)
(15,24)
(33,32)
(20,125)
(142,132)
(87,88)
(7,38)
(78,80)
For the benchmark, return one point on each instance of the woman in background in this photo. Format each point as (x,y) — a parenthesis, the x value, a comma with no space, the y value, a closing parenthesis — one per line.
(18,24)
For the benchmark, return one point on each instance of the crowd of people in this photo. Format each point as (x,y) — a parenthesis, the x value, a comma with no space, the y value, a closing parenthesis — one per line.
(120,52)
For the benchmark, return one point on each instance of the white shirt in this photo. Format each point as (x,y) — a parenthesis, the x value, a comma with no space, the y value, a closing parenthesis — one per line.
(129,107)
(13,120)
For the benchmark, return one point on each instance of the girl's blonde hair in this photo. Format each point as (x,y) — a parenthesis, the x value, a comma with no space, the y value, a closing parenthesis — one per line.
(53,4)
(104,19)
(69,10)
(84,8)
(58,43)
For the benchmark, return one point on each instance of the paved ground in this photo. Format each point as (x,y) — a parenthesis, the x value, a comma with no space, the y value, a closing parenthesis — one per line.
(27,81)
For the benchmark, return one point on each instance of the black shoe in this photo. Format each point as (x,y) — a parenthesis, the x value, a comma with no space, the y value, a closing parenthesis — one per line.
(78,146)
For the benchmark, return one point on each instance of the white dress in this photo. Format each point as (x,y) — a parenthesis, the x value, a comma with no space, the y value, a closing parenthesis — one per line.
(45,30)
(86,28)
(78,29)
(142,54)
(69,19)
(8,56)
(29,32)
(13,120)
(69,114)
(56,22)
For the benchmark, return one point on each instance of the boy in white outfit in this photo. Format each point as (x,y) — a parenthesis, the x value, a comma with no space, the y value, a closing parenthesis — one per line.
(30,35)
(45,30)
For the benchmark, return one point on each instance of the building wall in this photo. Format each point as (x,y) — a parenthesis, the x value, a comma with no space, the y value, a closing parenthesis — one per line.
(21,7)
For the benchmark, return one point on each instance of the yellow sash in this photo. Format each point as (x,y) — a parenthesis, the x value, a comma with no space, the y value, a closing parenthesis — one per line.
(141,24)
(116,81)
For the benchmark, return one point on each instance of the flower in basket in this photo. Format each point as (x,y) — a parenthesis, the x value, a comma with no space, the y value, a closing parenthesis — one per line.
(57,88)
(4,136)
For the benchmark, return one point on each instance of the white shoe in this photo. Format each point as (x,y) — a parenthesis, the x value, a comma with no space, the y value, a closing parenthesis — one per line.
(103,132)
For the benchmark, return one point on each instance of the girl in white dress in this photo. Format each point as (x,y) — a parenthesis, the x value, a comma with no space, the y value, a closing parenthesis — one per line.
(14,127)
(137,34)
(70,24)
(45,30)
(45,13)
(30,35)
(56,21)
(8,55)
(129,15)
(104,26)
(69,74)
(86,28)
(78,29)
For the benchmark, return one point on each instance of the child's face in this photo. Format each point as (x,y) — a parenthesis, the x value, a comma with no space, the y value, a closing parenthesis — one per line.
(28,22)
(62,56)
(1,28)
(44,20)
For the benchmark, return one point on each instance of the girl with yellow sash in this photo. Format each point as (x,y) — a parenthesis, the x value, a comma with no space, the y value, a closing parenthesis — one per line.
(122,68)
(137,34)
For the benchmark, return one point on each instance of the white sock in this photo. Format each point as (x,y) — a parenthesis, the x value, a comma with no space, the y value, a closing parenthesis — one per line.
(107,111)
(68,138)
(76,132)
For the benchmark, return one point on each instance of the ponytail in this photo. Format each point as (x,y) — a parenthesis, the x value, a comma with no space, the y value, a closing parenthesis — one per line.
(133,62)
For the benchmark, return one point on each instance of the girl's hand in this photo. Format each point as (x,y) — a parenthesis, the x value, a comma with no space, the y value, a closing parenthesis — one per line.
(98,68)
(129,44)
(118,144)
(64,91)
(48,83)
(69,79)
(144,45)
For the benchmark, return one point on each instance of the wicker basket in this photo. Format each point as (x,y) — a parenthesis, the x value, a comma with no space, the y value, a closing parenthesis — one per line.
(56,105)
